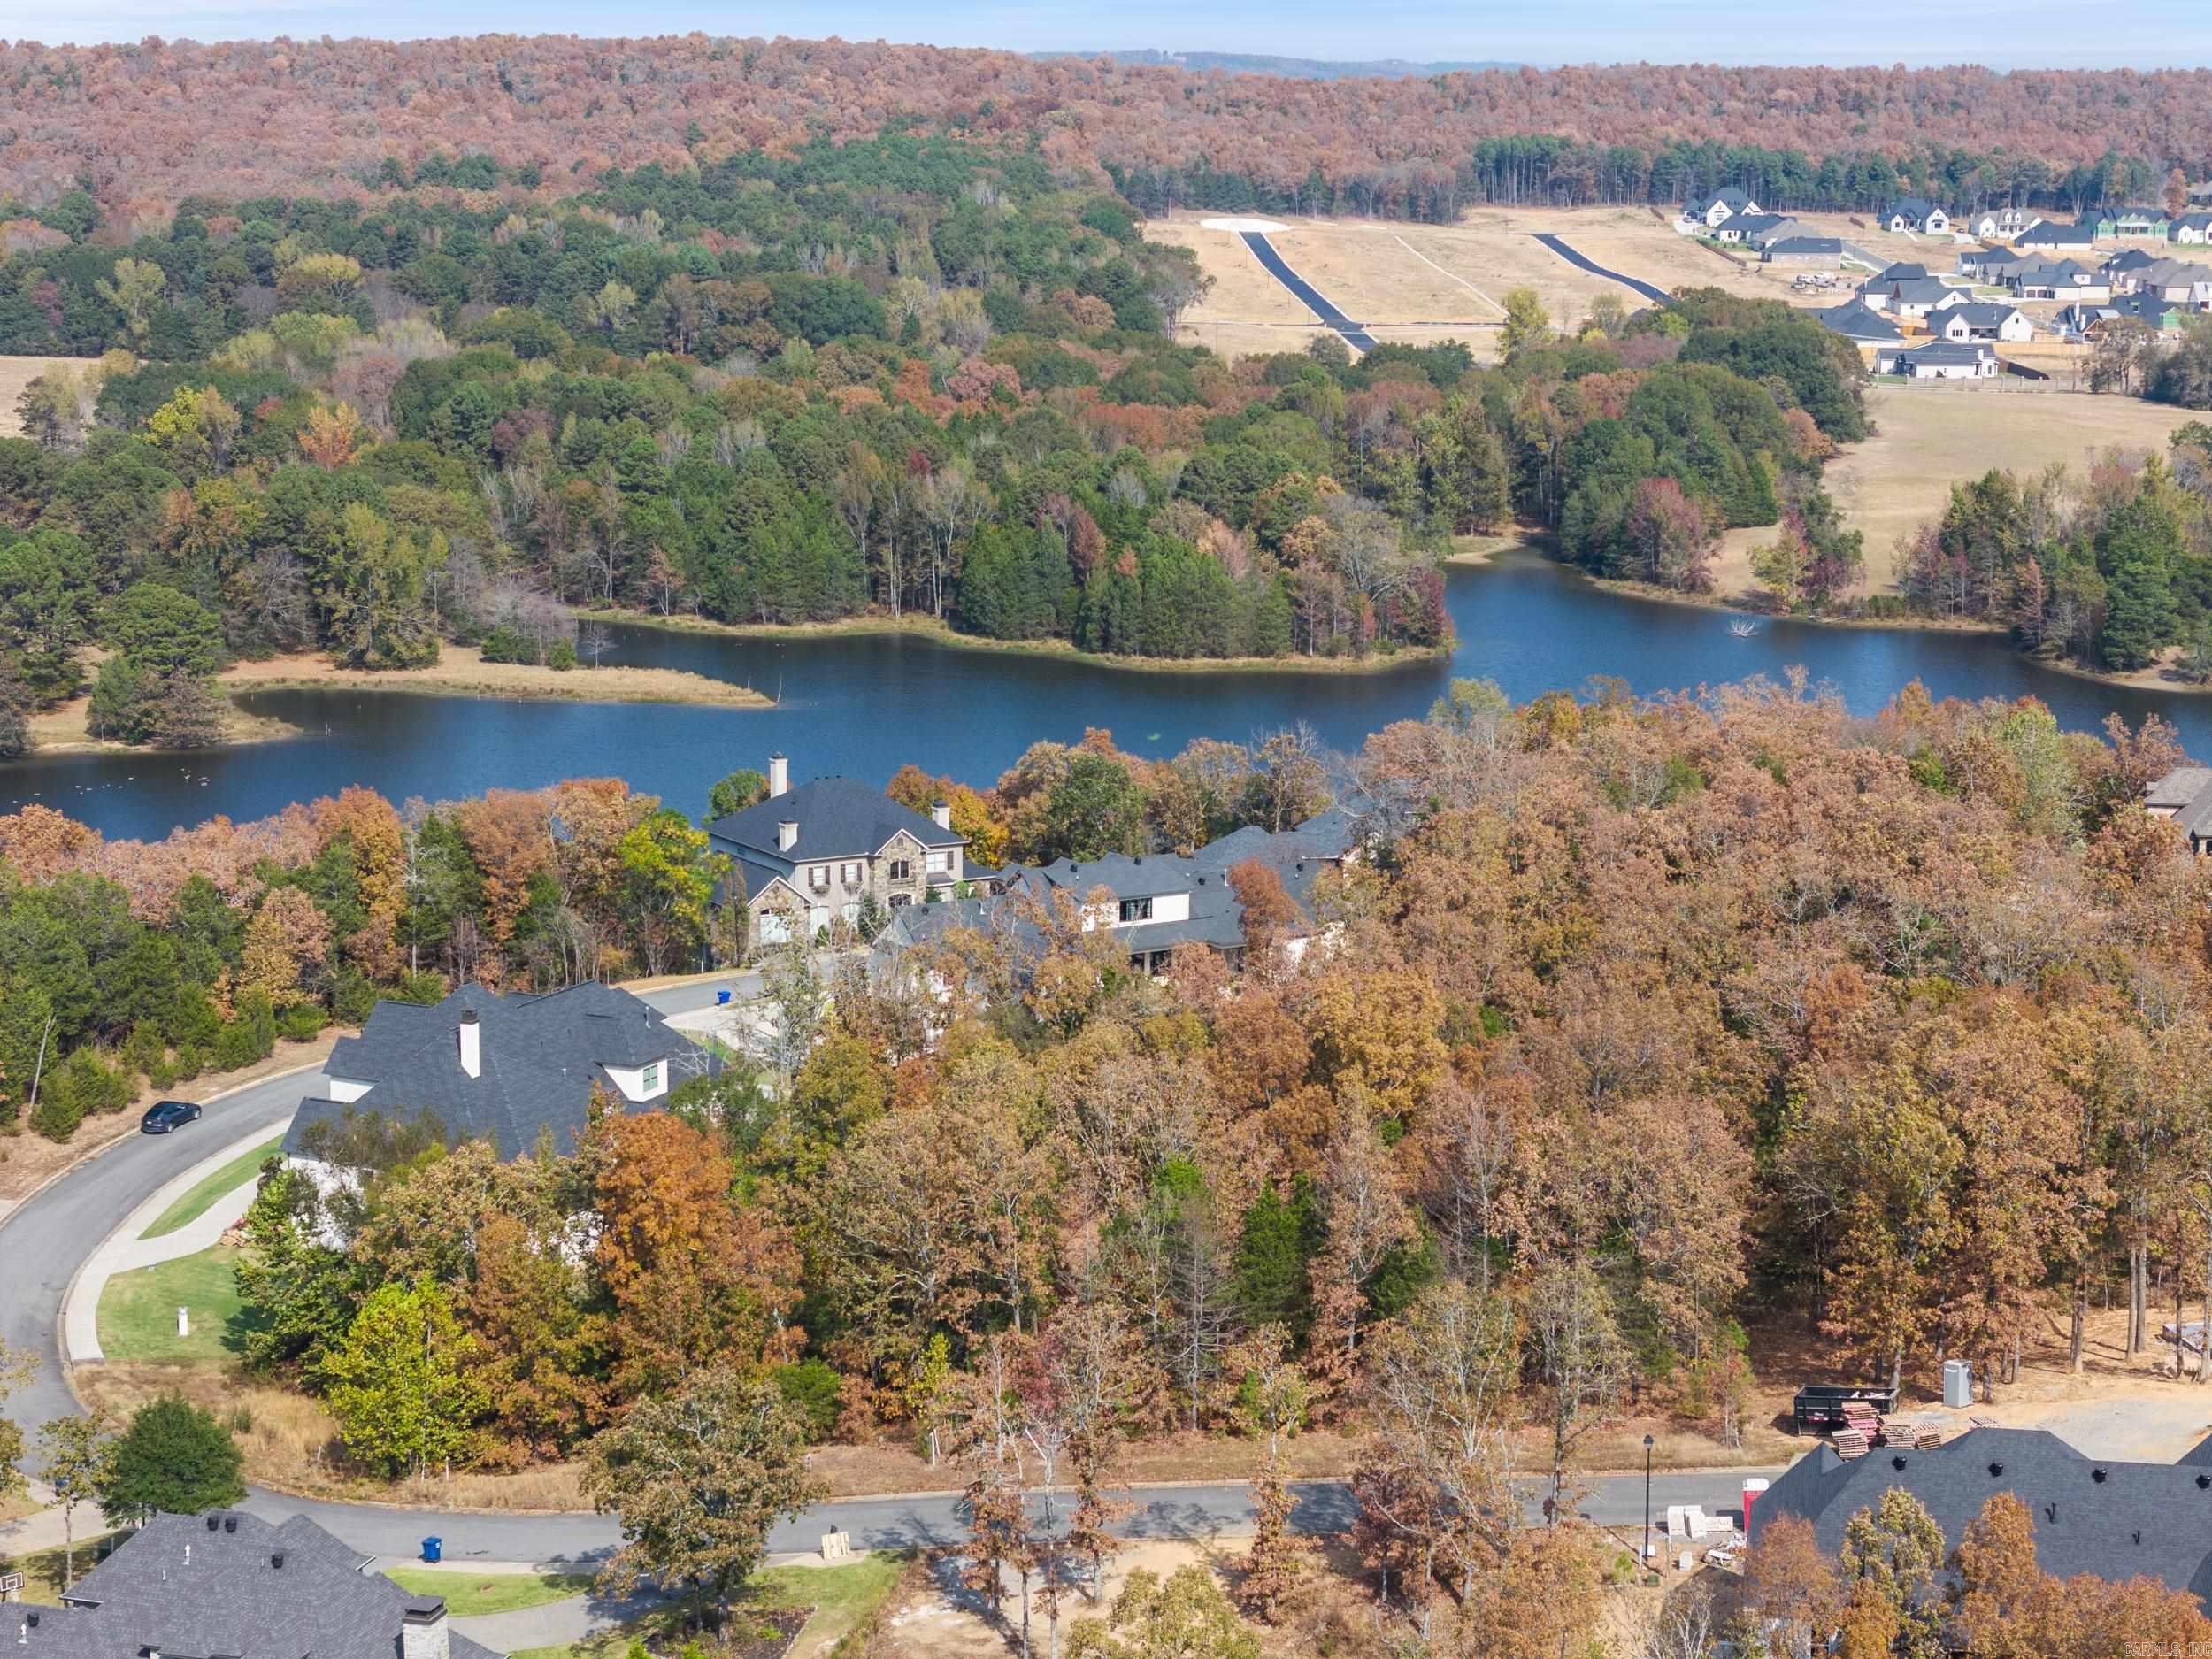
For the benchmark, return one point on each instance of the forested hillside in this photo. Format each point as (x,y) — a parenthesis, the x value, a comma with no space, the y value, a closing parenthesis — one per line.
(147,126)
(911,375)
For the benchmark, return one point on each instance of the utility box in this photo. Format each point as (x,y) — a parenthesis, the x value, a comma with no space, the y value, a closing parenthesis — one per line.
(1958,1384)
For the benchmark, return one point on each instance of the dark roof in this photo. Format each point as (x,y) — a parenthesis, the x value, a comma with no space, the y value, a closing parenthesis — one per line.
(2188,791)
(838,818)
(1903,271)
(541,1057)
(1911,207)
(1806,244)
(2045,230)
(1987,313)
(1859,321)
(2153,1519)
(228,1598)
(1948,352)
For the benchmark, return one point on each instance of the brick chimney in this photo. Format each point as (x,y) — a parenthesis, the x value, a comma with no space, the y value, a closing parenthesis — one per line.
(472,1045)
(940,813)
(779,776)
(422,1629)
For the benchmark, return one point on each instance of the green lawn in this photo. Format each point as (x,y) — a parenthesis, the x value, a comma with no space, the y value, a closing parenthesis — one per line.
(843,1598)
(138,1311)
(201,1198)
(469,1593)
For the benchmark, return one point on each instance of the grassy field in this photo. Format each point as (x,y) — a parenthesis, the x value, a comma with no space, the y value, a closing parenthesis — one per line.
(1929,438)
(138,1311)
(843,1599)
(15,374)
(469,1593)
(202,1197)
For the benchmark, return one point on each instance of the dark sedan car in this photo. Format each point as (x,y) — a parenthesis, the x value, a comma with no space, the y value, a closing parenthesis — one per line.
(165,1117)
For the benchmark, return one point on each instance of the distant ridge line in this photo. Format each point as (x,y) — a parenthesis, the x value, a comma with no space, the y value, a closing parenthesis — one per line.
(1291,68)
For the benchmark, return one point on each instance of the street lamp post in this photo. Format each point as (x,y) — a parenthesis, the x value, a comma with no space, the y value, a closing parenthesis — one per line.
(1646,1501)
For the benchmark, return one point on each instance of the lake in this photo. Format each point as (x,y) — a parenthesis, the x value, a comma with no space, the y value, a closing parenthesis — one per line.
(862,705)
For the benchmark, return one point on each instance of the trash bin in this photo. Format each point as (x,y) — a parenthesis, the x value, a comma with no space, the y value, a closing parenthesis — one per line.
(433,1549)
(720,997)
(1958,1384)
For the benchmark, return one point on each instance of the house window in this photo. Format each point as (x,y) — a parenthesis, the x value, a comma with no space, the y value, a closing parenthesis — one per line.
(652,1085)
(900,901)
(940,861)
(901,870)
(818,878)
(851,875)
(775,928)
(1136,910)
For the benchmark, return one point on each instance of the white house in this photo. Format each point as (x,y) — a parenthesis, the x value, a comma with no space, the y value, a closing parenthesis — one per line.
(2195,228)
(1911,298)
(1997,223)
(1940,360)
(1717,209)
(2051,236)
(1981,321)
(1911,213)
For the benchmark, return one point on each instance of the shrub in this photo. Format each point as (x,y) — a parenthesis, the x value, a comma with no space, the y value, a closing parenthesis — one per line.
(811,1388)
(299,1023)
(352,997)
(57,1113)
(562,657)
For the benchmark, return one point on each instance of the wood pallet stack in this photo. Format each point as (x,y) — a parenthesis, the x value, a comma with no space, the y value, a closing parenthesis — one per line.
(1850,1443)
(1928,1439)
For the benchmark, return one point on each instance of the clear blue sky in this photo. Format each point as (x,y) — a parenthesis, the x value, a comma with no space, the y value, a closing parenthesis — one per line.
(2143,34)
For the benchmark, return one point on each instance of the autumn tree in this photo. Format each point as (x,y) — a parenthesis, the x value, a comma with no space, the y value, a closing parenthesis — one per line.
(700,1478)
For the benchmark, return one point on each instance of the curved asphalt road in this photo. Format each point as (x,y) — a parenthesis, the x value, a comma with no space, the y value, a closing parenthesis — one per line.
(44,1240)
(1657,295)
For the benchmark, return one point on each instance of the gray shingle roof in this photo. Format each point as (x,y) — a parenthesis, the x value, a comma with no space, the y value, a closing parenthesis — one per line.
(2188,790)
(838,818)
(1903,271)
(2056,235)
(228,1598)
(541,1057)
(1828,245)
(1858,321)
(1948,352)
(2153,1519)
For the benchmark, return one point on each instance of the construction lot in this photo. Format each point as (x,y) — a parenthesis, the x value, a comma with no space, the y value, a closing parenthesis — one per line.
(1421,283)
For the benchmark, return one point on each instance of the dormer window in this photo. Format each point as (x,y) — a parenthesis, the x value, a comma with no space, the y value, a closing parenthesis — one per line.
(1136,910)
(652,1084)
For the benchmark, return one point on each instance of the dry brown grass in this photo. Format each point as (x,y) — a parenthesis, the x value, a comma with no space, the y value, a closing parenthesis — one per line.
(1427,282)
(291,1443)
(461,670)
(1929,438)
(15,374)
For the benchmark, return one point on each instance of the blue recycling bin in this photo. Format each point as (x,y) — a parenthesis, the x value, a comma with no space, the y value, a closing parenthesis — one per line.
(433,1549)
(720,997)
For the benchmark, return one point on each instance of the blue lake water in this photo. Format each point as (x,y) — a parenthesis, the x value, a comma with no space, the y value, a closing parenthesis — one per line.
(865,705)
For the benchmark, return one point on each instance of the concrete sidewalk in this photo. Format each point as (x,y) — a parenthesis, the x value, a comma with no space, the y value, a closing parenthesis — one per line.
(127,1249)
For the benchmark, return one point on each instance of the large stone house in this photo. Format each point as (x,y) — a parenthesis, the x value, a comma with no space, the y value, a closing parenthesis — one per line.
(516,1071)
(229,1583)
(813,856)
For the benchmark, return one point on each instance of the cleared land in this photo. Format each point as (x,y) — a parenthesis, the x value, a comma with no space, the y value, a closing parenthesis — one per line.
(1421,283)
(15,374)
(1929,438)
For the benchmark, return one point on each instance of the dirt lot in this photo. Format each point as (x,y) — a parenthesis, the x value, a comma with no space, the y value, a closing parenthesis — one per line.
(15,374)
(1421,282)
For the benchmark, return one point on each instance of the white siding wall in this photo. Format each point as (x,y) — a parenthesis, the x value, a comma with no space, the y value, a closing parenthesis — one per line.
(641,1083)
